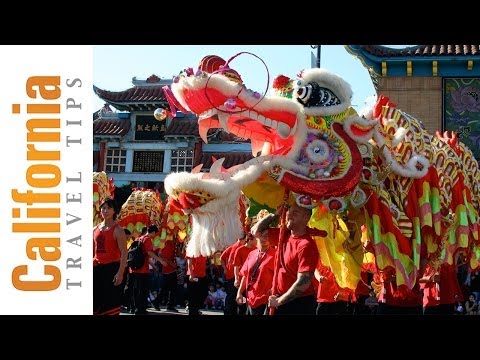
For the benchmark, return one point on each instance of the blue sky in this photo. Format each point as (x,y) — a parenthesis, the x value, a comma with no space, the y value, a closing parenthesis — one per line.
(115,66)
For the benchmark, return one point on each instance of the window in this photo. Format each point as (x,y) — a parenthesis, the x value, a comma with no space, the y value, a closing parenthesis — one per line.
(182,160)
(116,160)
(148,161)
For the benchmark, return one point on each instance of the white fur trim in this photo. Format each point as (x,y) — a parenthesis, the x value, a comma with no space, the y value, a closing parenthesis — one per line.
(330,81)
(409,170)
(399,136)
(361,123)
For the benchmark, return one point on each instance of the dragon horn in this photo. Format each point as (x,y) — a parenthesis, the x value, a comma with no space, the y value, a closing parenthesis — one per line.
(197,169)
(216,167)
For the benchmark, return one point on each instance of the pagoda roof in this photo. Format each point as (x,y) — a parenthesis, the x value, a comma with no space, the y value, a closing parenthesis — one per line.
(183,127)
(145,95)
(118,127)
(107,122)
(419,60)
(421,50)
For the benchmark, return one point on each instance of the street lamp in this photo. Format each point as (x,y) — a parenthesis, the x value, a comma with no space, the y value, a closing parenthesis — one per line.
(319,52)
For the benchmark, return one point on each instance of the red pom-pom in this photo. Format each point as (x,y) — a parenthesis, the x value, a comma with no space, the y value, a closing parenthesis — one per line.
(280,82)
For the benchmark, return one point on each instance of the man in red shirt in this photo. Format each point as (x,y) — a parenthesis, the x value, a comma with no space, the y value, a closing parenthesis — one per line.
(197,284)
(298,258)
(257,276)
(227,263)
(398,300)
(141,276)
(169,277)
(331,298)
(440,291)
(239,258)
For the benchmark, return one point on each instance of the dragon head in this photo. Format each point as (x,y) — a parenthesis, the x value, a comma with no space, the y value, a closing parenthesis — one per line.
(212,201)
(324,161)
(216,93)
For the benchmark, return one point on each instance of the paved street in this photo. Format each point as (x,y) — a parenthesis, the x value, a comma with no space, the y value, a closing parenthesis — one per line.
(181,312)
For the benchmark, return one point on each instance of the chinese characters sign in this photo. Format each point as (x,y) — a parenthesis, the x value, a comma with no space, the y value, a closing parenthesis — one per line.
(147,128)
(147,161)
(461,111)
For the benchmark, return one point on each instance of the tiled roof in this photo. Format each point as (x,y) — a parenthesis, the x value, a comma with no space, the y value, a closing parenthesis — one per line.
(153,79)
(111,127)
(147,95)
(231,159)
(423,50)
(134,94)
(184,127)
(105,110)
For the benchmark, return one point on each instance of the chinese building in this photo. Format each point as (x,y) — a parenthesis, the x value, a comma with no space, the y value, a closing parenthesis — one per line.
(136,150)
(437,84)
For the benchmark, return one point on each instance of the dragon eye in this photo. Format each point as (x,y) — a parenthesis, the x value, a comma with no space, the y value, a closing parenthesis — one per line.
(304,92)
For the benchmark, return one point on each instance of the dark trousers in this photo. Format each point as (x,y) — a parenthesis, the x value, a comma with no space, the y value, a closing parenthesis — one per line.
(242,308)
(156,281)
(180,296)
(259,310)
(304,305)
(128,293)
(169,289)
(107,297)
(231,307)
(359,307)
(197,293)
(124,301)
(141,287)
(442,309)
(384,309)
(333,308)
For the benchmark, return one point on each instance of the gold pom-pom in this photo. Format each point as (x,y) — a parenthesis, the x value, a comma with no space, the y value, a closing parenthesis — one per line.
(160,114)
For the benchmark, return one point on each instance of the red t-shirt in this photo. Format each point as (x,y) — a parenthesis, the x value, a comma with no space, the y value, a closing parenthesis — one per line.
(105,247)
(168,253)
(448,291)
(328,288)
(241,255)
(199,267)
(227,257)
(300,254)
(402,296)
(146,247)
(258,282)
